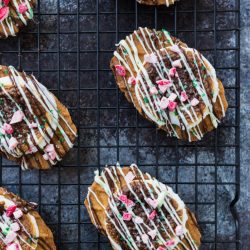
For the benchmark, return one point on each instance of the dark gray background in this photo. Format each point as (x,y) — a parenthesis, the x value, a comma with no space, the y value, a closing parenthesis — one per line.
(63,55)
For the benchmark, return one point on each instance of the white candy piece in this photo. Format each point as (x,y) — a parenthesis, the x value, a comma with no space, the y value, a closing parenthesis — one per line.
(15,227)
(10,237)
(18,214)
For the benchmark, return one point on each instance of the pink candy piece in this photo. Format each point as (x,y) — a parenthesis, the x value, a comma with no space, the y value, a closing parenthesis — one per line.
(152,203)
(6,2)
(172,97)
(179,230)
(4,12)
(194,102)
(120,70)
(164,85)
(129,177)
(151,58)
(138,220)
(172,105)
(12,246)
(173,72)
(153,91)
(132,80)
(161,248)
(7,129)
(13,143)
(170,243)
(18,214)
(33,125)
(10,210)
(22,8)
(152,215)
(164,103)
(130,203)
(177,64)
(50,150)
(15,227)
(184,96)
(123,198)
(17,117)
(10,237)
(127,216)
(163,82)
(175,48)
(152,234)
(144,238)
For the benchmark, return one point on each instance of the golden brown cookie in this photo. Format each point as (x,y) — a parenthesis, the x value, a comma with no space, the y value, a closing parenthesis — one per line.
(135,211)
(169,83)
(157,2)
(21,227)
(36,130)
(14,14)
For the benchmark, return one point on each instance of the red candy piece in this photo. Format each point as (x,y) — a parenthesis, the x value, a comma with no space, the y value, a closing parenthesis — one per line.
(10,210)
(6,2)
(127,216)
(22,8)
(4,12)
(130,203)
(123,198)
(152,215)
(172,105)
(120,70)
(173,72)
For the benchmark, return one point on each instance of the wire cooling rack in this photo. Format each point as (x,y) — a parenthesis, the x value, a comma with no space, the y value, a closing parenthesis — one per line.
(68,48)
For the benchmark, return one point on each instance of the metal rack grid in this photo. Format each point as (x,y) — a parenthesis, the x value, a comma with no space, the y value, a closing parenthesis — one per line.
(68,48)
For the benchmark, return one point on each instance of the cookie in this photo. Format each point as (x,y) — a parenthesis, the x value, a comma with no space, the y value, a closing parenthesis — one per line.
(157,2)
(21,227)
(136,211)
(14,14)
(170,84)
(36,130)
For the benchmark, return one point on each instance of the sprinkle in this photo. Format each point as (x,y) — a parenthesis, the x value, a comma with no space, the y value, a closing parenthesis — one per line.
(164,103)
(7,129)
(152,215)
(129,177)
(10,237)
(184,96)
(144,238)
(17,117)
(4,12)
(179,230)
(172,97)
(138,220)
(177,64)
(132,80)
(194,102)
(153,91)
(123,198)
(152,203)
(170,243)
(18,214)
(175,48)
(151,58)
(22,8)
(12,246)
(15,227)
(120,70)
(172,105)
(13,143)
(146,100)
(173,72)
(152,234)
(127,216)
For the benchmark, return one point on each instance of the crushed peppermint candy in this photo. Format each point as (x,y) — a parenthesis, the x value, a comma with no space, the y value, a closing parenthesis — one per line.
(152,203)
(172,105)
(152,215)
(194,102)
(7,129)
(179,230)
(184,96)
(120,70)
(164,102)
(129,177)
(132,80)
(173,72)
(10,210)
(13,143)
(17,117)
(151,58)
(127,216)
(177,64)
(22,8)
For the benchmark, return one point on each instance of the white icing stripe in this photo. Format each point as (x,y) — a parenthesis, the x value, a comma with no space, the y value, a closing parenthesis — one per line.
(141,228)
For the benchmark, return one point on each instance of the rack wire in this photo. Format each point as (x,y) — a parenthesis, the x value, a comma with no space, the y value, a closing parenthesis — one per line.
(68,48)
